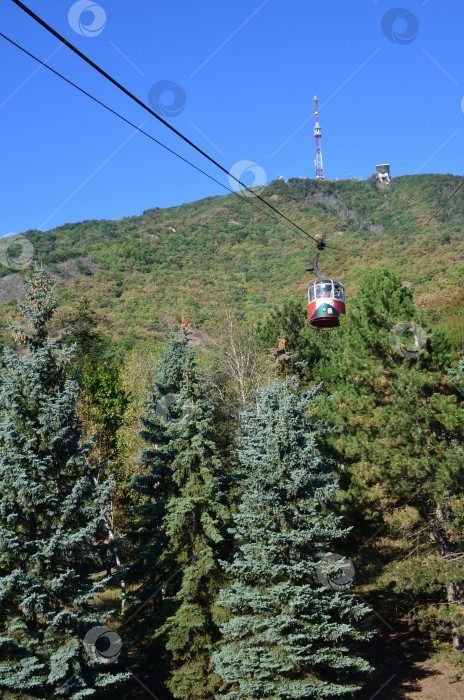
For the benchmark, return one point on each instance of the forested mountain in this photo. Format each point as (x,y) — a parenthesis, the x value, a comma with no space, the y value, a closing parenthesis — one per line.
(144,272)
(201,496)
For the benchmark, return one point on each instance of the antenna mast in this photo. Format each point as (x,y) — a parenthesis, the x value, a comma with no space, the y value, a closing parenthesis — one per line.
(317,136)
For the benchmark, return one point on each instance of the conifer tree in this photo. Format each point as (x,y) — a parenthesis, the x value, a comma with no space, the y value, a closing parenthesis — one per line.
(103,398)
(304,346)
(193,521)
(181,483)
(52,518)
(402,445)
(288,635)
(286,362)
(91,344)
(154,482)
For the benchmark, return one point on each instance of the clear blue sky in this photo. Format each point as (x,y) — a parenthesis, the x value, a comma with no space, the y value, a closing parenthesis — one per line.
(249,70)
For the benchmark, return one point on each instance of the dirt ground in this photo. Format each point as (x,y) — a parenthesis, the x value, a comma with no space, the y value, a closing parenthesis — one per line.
(403,670)
(437,682)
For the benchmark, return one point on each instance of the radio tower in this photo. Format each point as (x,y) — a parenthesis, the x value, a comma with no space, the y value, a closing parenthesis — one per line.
(317,136)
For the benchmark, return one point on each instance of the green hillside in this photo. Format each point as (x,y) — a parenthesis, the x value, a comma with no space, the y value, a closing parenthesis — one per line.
(200,505)
(144,272)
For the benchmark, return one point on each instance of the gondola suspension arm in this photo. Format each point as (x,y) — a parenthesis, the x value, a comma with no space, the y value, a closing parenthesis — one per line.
(322,278)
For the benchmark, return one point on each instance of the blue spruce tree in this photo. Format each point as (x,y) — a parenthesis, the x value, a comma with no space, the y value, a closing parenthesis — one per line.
(289,635)
(52,519)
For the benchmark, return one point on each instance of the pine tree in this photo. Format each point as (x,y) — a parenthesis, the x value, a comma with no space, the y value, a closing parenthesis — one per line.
(286,362)
(181,484)
(52,518)
(193,521)
(103,398)
(91,344)
(402,445)
(288,636)
(154,482)
(302,343)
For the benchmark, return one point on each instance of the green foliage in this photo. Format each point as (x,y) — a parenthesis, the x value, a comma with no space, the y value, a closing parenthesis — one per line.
(179,523)
(138,372)
(198,257)
(394,424)
(193,521)
(304,344)
(83,332)
(104,399)
(288,635)
(53,518)
(153,483)
(104,403)
(401,445)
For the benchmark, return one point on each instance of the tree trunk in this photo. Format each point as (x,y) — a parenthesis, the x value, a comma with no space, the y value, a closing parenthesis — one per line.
(117,559)
(452,593)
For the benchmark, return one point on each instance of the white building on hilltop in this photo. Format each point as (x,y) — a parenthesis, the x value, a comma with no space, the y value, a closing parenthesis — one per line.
(382,173)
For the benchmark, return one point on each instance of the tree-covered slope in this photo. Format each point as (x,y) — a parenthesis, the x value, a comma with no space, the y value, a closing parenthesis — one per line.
(144,272)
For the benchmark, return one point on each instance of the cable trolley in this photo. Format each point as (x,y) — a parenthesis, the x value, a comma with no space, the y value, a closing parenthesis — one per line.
(326,297)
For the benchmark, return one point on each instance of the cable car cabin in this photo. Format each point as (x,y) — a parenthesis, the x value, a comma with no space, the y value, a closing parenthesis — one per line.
(326,303)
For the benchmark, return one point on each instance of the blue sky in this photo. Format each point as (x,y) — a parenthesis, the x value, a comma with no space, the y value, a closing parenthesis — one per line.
(390,82)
